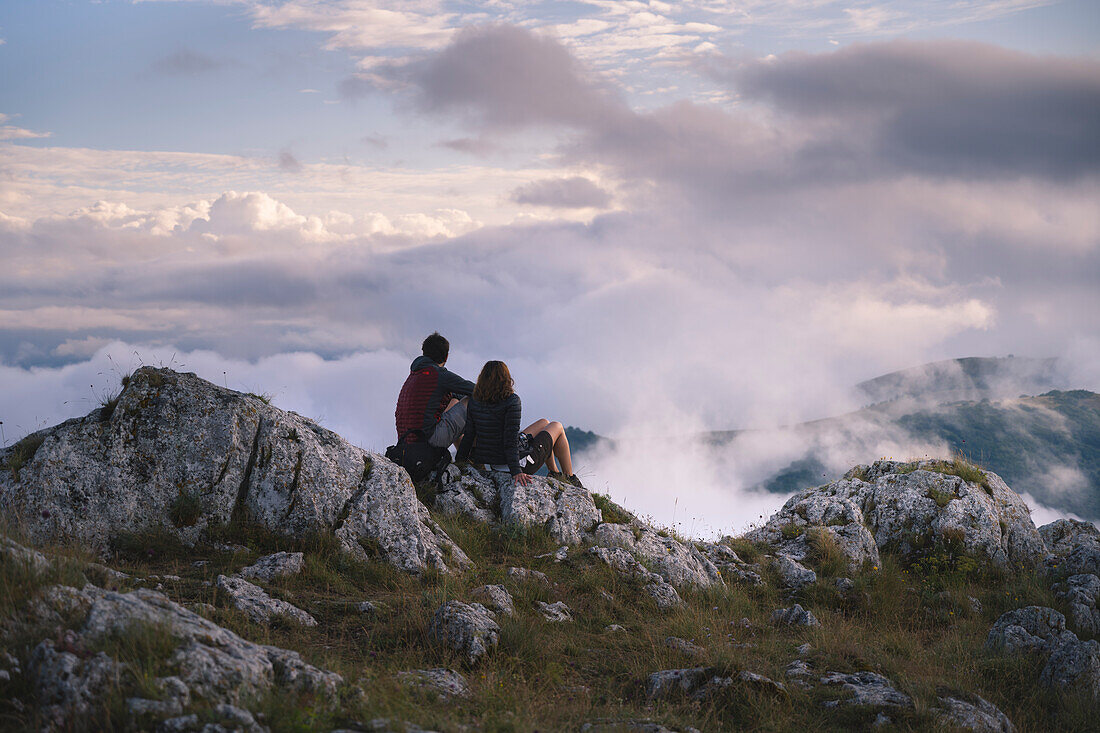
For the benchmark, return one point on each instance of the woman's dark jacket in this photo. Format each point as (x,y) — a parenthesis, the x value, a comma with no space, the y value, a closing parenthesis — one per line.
(492,433)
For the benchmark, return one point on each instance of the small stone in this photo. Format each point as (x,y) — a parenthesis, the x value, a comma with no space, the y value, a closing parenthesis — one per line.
(804,649)
(444,682)
(760,681)
(526,574)
(975,604)
(972,714)
(793,574)
(259,606)
(880,720)
(868,688)
(279,565)
(495,597)
(669,681)
(365,607)
(614,628)
(558,555)
(556,612)
(684,646)
(845,585)
(798,668)
(796,615)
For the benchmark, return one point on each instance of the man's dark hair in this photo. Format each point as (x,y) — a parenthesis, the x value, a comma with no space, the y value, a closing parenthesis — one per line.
(436,348)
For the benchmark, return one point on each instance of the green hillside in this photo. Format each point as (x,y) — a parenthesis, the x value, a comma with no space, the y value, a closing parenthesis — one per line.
(1047,446)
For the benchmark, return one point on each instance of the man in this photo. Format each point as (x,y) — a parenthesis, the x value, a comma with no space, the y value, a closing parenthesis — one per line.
(429,399)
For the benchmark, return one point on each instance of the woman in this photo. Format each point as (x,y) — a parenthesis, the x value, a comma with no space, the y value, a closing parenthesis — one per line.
(492,433)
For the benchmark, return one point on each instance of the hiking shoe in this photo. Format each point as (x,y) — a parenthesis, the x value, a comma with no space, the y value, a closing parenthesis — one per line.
(559,475)
(575,481)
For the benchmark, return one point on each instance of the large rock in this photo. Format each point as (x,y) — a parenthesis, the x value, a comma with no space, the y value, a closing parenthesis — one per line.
(178,454)
(1071,663)
(677,562)
(206,661)
(834,509)
(468,629)
(1082,593)
(908,507)
(1074,546)
(625,564)
(566,511)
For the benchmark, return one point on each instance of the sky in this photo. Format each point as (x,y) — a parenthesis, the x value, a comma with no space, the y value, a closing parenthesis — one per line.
(666,217)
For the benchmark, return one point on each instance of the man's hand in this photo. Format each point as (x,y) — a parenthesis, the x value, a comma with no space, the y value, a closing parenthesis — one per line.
(522,479)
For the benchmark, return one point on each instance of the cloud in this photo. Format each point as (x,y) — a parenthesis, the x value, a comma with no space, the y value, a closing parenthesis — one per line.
(11,132)
(288,162)
(479,147)
(506,77)
(943,107)
(185,62)
(576,192)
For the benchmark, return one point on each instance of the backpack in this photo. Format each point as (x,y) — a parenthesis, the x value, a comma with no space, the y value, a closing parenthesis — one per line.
(419,458)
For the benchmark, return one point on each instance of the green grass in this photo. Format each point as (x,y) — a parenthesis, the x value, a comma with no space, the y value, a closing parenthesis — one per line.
(911,623)
(23,452)
(185,509)
(612,512)
(942,498)
(965,470)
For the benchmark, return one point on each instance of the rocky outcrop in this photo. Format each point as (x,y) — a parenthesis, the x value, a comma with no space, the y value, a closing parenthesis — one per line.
(628,566)
(908,508)
(566,511)
(1071,663)
(206,661)
(1074,546)
(677,562)
(178,454)
(730,566)
(469,630)
(1082,593)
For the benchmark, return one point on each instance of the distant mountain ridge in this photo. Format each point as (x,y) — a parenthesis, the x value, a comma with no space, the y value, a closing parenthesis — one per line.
(971,378)
(1002,413)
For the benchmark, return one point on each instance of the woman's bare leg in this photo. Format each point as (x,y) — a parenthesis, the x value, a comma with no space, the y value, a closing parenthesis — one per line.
(561,448)
(537,426)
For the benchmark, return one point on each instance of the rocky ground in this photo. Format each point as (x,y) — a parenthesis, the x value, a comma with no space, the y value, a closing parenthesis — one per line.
(193,559)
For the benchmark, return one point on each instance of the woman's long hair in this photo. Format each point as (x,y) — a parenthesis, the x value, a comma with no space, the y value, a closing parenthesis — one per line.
(494,383)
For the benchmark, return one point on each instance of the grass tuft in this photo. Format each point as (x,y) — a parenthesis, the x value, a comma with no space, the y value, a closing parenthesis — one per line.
(185,509)
(612,512)
(23,453)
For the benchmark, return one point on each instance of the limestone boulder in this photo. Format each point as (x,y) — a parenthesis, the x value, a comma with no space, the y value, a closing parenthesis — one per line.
(974,714)
(566,511)
(468,629)
(205,661)
(908,508)
(270,567)
(179,454)
(868,688)
(677,562)
(1082,593)
(260,607)
(834,509)
(1074,547)
(1071,663)
(625,564)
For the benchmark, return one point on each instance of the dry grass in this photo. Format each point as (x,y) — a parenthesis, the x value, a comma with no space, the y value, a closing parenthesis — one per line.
(916,629)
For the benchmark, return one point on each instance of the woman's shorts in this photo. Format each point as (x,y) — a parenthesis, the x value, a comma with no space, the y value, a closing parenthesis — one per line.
(538,449)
